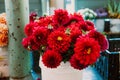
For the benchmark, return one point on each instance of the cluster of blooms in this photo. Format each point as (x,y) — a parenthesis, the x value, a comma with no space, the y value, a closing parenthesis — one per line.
(65,37)
(88,14)
(3,30)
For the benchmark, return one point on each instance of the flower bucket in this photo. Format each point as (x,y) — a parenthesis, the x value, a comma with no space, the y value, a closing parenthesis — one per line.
(62,72)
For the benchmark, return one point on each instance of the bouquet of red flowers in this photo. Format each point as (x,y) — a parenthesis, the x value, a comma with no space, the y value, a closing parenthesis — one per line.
(64,37)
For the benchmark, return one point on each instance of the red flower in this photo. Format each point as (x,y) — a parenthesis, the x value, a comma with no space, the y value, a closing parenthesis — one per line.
(59,41)
(29,28)
(45,21)
(90,25)
(25,42)
(38,79)
(51,59)
(33,16)
(86,25)
(83,25)
(76,17)
(103,42)
(75,63)
(40,34)
(61,29)
(60,17)
(64,37)
(87,50)
(75,32)
(29,43)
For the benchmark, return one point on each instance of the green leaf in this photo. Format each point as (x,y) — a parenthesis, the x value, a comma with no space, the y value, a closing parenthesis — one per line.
(67,31)
(83,31)
(113,6)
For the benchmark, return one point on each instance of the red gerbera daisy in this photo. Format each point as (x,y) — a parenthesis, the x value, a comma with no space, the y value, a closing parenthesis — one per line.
(51,59)
(29,28)
(75,63)
(59,41)
(60,17)
(87,50)
(103,42)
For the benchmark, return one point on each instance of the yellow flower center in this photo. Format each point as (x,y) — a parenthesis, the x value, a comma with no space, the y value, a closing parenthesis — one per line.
(59,38)
(88,50)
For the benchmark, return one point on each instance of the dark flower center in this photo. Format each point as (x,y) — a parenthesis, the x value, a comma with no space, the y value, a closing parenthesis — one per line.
(52,61)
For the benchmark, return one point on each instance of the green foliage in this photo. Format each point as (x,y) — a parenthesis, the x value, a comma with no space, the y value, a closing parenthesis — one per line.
(113,6)
(67,55)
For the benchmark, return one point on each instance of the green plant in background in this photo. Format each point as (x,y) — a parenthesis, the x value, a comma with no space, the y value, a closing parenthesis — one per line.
(113,9)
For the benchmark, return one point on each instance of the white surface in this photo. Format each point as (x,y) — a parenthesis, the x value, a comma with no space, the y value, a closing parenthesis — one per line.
(99,24)
(63,72)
